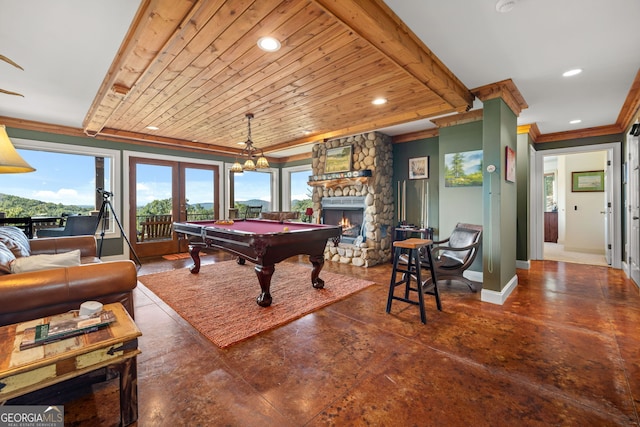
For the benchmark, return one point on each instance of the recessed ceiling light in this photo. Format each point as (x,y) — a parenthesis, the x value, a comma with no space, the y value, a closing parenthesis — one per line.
(269,44)
(153,127)
(573,72)
(379,101)
(575,122)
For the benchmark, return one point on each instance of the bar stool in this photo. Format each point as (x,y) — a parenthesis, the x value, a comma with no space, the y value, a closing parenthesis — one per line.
(413,268)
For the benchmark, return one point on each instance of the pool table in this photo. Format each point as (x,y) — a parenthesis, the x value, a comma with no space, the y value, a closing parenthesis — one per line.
(263,242)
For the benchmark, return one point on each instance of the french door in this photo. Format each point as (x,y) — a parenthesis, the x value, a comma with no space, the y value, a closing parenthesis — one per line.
(162,192)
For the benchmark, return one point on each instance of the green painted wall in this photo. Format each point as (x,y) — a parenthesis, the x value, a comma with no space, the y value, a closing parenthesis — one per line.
(459,204)
(500,196)
(401,155)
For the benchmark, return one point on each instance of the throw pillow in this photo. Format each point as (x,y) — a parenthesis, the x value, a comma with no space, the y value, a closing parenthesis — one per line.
(15,240)
(6,258)
(46,261)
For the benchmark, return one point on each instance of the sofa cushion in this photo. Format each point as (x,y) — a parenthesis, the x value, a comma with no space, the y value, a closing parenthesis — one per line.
(6,258)
(45,261)
(15,239)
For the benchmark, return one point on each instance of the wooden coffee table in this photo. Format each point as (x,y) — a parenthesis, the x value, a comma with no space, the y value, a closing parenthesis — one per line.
(115,347)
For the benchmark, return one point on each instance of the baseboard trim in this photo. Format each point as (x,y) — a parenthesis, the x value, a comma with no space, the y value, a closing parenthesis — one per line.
(523,265)
(499,298)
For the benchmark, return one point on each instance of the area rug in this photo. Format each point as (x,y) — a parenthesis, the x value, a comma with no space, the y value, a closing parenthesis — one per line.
(220,301)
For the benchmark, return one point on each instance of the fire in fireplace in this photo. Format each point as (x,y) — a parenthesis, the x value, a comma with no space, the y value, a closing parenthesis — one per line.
(348,212)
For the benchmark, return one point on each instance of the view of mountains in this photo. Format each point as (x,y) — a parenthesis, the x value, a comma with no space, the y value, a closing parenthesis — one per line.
(15,206)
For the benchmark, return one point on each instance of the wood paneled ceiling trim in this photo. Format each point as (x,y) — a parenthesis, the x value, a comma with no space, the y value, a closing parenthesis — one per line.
(192,68)
(459,119)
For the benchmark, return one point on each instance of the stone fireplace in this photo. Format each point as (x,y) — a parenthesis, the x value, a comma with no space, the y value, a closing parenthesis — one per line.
(361,199)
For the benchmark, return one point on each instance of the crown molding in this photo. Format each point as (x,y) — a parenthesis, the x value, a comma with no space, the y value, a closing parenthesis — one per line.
(504,89)
(414,136)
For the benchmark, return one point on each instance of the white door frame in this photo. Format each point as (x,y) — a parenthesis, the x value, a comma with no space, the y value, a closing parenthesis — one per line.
(536,213)
(633,251)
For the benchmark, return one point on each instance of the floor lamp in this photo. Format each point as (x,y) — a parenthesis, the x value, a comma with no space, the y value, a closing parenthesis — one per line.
(10,160)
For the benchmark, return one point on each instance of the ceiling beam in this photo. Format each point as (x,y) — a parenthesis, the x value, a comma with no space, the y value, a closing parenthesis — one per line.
(374,21)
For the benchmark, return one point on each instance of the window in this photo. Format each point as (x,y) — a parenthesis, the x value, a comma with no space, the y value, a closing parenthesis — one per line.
(65,182)
(252,188)
(297,194)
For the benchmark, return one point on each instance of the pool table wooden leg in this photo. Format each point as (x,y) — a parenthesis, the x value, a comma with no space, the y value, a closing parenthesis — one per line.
(318,263)
(194,251)
(264,273)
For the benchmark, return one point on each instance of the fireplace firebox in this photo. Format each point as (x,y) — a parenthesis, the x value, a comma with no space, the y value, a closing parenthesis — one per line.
(347,212)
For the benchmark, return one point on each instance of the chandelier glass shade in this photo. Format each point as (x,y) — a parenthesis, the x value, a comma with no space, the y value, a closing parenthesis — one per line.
(250,152)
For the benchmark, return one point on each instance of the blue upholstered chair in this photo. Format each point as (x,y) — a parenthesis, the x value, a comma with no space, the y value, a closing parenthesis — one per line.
(77,225)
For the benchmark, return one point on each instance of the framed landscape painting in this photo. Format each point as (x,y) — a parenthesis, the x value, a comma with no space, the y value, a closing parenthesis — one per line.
(463,169)
(587,181)
(338,159)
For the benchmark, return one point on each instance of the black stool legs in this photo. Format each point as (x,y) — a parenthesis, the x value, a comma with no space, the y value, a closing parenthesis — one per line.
(413,269)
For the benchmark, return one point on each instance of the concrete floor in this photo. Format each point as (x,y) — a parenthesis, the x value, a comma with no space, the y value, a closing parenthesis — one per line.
(563,350)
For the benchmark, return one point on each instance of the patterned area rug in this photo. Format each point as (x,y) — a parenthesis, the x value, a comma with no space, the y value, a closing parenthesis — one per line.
(220,301)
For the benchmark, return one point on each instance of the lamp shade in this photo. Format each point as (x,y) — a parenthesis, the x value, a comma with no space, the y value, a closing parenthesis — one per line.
(249,165)
(236,167)
(262,163)
(10,160)
(309,212)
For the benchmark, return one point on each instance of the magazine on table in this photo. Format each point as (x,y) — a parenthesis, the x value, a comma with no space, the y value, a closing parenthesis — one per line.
(65,326)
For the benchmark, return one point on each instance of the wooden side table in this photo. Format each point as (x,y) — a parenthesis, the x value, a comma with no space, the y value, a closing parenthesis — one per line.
(115,347)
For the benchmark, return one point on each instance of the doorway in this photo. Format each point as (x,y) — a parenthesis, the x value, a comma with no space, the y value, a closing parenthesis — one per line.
(165,191)
(607,216)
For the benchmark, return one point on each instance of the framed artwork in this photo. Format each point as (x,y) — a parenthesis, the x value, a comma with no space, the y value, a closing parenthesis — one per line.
(463,169)
(338,159)
(510,165)
(419,168)
(587,181)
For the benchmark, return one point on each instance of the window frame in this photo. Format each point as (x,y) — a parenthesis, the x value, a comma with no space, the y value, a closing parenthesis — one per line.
(81,150)
(286,183)
(275,185)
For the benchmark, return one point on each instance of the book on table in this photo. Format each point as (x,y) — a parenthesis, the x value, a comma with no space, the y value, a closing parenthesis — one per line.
(65,326)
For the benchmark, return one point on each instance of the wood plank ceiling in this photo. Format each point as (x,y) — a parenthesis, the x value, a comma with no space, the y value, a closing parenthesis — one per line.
(193,69)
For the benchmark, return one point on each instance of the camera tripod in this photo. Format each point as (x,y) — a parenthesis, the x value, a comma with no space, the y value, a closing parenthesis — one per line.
(106,203)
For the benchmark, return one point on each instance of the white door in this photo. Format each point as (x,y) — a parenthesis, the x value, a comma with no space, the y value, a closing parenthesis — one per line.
(634,210)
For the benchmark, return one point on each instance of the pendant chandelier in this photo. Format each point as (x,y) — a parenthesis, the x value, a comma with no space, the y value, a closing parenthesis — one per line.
(250,152)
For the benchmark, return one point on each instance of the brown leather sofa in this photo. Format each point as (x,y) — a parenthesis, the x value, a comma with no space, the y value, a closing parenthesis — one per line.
(35,294)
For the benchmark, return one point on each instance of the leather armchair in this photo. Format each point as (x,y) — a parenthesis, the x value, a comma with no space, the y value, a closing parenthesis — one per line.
(36,294)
